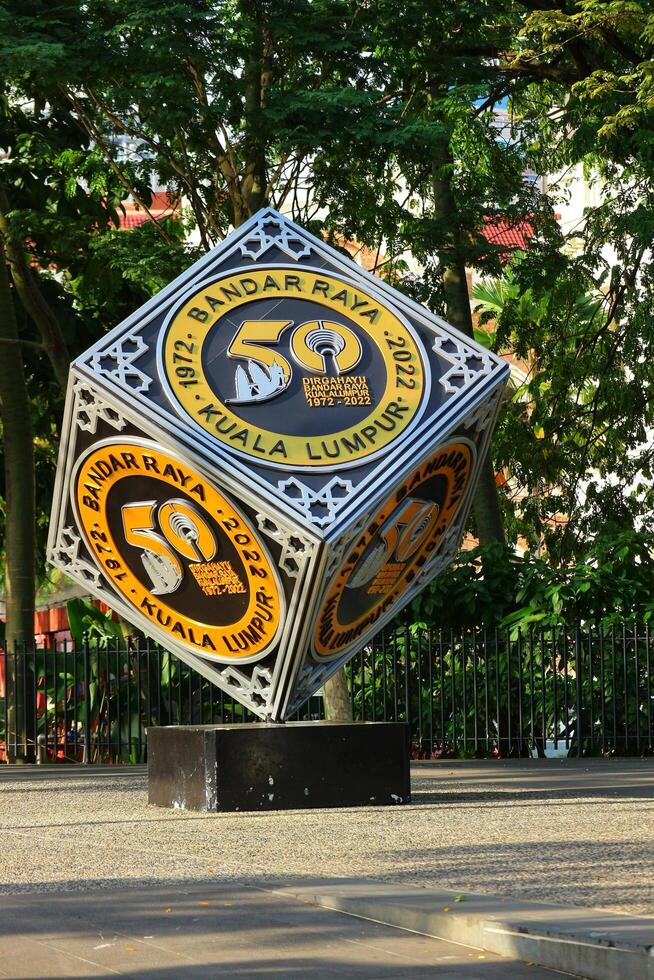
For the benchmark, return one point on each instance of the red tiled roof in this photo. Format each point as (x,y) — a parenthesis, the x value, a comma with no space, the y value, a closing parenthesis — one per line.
(498,231)
(160,207)
(132,219)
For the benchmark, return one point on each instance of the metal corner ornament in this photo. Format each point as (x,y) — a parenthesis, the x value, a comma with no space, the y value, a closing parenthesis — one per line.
(270,458)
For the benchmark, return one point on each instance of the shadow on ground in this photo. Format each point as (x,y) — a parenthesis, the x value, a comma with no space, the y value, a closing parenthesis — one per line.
(231,930)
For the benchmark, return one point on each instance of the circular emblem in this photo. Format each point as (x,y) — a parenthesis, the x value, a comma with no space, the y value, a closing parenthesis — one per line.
(384,561)
(177,550)
(293,367)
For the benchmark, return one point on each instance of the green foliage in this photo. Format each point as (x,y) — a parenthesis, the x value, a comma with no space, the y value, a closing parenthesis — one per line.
(208,102)
(576,435)
(492,586)
(360,110)
(63,202)
(419,108)
(582,98)
(610,586)
(87,622)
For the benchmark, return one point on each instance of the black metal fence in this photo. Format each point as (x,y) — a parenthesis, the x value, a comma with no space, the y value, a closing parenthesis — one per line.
(582,691)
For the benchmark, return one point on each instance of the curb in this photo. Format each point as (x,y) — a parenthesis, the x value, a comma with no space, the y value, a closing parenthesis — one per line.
(589,943)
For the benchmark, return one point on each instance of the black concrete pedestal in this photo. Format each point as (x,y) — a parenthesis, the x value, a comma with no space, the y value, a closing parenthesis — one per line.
(279,767)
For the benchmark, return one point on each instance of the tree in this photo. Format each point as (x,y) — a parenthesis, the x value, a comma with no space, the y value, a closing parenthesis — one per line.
(375,122)
(20,505)
(581,95)
(33,207)
(18,471)
(203,112)
(425,111)
(199,104)
(427,164)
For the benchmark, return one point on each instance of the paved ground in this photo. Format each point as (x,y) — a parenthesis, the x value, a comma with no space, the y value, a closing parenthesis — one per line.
(548,831)
(187,932)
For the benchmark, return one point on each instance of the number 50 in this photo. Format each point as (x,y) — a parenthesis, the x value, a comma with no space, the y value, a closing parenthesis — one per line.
(185,533)
(313,345)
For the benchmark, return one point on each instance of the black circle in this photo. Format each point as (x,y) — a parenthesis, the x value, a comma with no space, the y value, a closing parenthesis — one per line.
(188,599)
(288,412)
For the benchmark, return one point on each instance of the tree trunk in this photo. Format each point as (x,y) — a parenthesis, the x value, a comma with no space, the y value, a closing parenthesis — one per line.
(20,541)
(33,300)
(258,77)
(486,507)
(336,697)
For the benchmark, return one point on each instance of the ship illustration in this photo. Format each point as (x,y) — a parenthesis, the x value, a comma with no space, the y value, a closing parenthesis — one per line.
(164,576)
(258,383)
(367,567)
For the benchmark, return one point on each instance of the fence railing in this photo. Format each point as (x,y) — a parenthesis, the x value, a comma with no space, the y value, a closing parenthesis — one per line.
(581,690)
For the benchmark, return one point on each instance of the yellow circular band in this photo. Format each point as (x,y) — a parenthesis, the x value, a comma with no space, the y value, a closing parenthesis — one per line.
(390,415)
(122,461)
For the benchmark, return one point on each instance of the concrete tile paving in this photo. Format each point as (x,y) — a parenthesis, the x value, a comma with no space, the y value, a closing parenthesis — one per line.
(226,930)
(562,832)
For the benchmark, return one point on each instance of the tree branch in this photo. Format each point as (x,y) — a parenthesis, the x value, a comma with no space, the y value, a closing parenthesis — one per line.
(92,131)
(23,343)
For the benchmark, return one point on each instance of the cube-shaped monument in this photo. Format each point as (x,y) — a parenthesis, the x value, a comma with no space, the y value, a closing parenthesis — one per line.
(265,462)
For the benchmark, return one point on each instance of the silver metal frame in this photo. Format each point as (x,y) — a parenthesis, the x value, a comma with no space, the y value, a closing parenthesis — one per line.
(197,438)
(276,681)
(319,668)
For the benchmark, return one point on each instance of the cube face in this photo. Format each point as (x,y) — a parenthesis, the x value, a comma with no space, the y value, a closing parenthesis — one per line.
(390,554)
(264,463)
(296,343)
(182,552)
